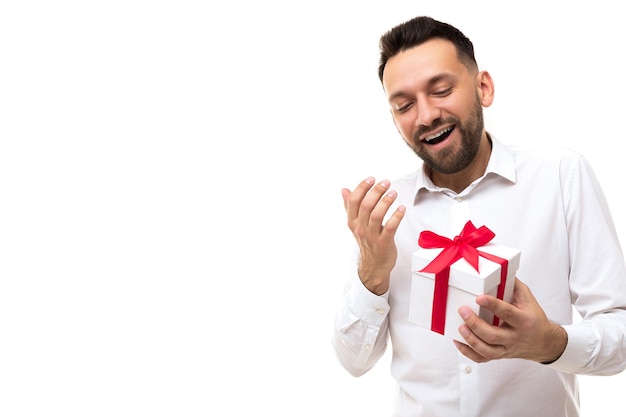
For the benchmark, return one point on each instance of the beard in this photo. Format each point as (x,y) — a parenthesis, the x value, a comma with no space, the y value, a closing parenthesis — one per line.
(448,160)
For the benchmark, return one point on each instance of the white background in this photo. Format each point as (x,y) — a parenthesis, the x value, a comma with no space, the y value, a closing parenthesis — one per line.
(172,236)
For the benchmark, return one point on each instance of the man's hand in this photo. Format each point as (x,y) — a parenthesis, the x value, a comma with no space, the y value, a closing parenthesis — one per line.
(366,208)
(525,331)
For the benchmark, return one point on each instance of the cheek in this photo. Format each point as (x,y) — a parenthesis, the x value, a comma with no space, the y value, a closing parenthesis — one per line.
(405,127)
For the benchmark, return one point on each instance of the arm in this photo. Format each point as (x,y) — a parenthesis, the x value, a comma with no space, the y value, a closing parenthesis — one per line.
(360,335)
(596,345)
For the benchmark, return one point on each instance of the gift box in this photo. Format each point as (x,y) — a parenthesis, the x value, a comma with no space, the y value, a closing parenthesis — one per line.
(450,273)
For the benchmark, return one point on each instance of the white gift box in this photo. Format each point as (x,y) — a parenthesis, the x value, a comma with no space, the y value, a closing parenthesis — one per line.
(464,285)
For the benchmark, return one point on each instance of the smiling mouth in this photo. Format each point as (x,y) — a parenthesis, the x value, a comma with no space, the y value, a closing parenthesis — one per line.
(439,136)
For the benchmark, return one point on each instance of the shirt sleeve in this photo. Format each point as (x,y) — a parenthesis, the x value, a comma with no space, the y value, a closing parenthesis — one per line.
(596,343)
(361,328)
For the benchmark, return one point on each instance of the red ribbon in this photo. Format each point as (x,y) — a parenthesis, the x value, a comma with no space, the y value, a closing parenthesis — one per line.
(504,268)
(462,246)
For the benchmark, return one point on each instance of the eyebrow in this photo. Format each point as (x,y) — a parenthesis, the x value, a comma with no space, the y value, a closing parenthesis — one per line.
(432,81)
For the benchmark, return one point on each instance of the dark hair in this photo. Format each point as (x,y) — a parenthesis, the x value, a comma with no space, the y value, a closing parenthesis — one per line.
(419,30)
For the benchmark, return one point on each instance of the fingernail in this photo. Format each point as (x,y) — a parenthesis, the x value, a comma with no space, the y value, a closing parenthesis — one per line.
(464,312)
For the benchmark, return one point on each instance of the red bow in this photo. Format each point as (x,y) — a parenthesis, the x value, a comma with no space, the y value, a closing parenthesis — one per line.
(463,246)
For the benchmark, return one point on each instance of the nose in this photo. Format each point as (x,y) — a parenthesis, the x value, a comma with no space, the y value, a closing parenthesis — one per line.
(427,112)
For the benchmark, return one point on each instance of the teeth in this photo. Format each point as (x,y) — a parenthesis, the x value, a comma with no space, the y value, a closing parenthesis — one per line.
(436,135)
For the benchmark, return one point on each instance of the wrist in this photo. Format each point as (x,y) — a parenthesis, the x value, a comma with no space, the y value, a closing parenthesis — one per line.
(556,344)
(375,282)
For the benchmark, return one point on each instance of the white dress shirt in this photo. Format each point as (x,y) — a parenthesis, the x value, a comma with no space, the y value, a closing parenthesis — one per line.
(549,205)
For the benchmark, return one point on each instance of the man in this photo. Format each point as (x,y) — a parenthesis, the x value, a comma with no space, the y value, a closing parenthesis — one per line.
(546,203)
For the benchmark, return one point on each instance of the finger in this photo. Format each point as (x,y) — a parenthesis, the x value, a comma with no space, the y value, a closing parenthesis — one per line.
(483,337)
(522,294)
(352,200)
(382,207)
(482,348)
(364,222)
(345,194)
(394,221)
(469,352)
(373,198)
(508,313)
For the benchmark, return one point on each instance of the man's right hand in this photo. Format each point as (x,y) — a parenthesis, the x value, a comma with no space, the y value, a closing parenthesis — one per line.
(366,208)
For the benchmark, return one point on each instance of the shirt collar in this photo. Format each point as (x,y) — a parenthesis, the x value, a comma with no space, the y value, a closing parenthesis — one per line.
(501,163)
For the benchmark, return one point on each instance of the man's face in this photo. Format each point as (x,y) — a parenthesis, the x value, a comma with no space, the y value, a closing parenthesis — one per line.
(436,105)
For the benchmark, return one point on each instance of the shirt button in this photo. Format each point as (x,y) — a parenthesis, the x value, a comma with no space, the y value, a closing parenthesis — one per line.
(459,199)
(381,311)
(468,369)
(368,347)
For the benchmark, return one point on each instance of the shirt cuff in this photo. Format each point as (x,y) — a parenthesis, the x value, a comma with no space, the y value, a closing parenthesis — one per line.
(369,307)
(581,344)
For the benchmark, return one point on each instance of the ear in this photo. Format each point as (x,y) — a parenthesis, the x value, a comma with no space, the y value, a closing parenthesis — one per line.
(485,88)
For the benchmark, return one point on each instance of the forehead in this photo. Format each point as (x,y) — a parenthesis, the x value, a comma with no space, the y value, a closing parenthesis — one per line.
(422,63)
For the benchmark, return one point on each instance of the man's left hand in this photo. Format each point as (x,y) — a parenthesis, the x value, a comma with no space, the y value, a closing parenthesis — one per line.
(525,331)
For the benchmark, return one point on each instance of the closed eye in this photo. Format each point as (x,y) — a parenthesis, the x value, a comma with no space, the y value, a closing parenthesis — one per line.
(443,93)
(403,108)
